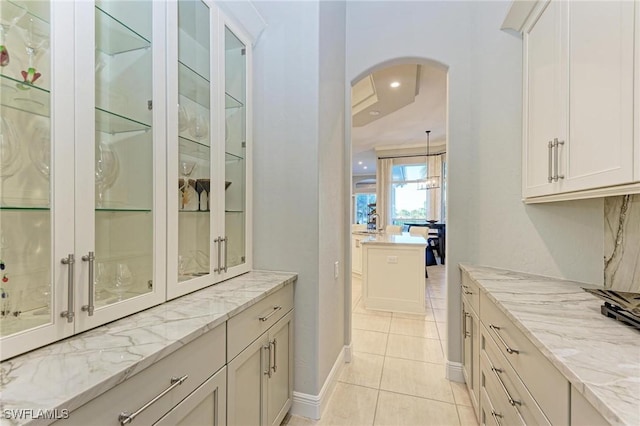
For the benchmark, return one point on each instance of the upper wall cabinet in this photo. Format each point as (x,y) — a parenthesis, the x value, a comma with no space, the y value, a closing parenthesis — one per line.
(579,137)
(207,124)
(82,199)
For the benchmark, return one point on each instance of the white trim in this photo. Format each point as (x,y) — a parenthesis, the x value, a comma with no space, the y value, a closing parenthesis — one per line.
(455,372)
(633,188)
(312,406)
(517,15)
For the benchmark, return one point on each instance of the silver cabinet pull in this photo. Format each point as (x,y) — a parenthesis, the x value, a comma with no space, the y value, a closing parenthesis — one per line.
(268,370)
(496,417)
(125,418)
(557,154)
(90,307)
(70,260)
(226,252)
(464,323)
(266,317)
(466,329)
(218,269)
(550,174)
(512,401)
(275,354)
(507,347)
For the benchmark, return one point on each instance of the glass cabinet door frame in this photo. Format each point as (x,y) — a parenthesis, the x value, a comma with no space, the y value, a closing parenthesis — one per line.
(85,137)
(61,186)
(223,23)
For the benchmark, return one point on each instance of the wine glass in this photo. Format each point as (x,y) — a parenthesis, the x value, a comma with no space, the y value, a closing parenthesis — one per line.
(35,37)
(124,279)
(6,23)
(101,280)
(186,169)
(184,118)
(107,168)
(199,128)
(40,150)
(9,148)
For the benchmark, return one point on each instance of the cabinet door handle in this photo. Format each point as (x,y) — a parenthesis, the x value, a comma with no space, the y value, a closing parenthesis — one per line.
(507,347)
(268,370)
(70,260)
(226,251)
(557,144)
(218,269)
(275,343)
(496,417)
(90,307)
(464,324)
(550,174)
(125,418)
(496,371)
(467,316)
(266,317)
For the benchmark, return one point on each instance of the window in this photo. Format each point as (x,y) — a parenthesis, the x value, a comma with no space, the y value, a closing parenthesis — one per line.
(410,201)
(361,208)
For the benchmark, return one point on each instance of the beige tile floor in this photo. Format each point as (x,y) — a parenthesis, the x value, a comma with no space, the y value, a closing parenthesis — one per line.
(397,372)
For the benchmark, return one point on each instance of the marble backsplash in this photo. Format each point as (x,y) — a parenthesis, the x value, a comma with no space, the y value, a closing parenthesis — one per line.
(622,243)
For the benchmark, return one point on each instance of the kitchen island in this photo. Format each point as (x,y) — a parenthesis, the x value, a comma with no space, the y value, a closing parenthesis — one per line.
(393,272)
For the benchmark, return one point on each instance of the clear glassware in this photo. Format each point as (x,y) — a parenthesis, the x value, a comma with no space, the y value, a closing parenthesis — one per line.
(184,118)
(35,39)
(7,21)
(40,150)
(101,280)
(199,128)
(124,280)
(107,169)
(9,148)
(186,170)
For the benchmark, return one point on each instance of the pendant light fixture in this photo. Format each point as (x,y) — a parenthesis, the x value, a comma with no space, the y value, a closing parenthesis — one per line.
(431,181)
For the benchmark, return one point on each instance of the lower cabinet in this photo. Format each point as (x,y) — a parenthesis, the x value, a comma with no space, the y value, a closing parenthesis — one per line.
(207,405)
(260,379)
(470,343)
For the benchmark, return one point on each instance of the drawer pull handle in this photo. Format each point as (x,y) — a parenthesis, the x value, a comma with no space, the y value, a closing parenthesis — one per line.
(266,317)
(512,401)
(496,417)
(125,418)
(275,354)
(466,289)
(507,347)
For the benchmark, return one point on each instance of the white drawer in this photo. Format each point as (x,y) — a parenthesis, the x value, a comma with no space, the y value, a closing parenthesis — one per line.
(583,413)
(249,324)
(510,389)
(546,384)
(503,413)
(198,360)
(470,291)
(489,415)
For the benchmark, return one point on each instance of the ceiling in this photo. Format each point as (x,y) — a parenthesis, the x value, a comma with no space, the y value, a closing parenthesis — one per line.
(405,113)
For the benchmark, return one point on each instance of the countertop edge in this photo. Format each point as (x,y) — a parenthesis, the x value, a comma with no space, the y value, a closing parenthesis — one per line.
(583,388)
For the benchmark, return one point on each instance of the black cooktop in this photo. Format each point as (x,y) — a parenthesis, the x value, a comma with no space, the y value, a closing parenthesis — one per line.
(621,305)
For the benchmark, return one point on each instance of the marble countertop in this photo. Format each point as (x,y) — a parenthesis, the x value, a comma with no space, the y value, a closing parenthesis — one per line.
(69,373)
(599,356)
(395,239)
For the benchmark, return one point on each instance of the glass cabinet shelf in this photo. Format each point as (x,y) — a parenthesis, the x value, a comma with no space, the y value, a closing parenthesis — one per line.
(113,37)
(193,85)
(25,208)
(109,122)
(11,10)
(194,149)
(17,94)
(230,102)
(123,209)
(234,211)
(231,158)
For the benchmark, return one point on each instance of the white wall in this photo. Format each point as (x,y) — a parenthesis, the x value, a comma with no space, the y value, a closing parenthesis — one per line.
(286,172)
(333,200)
(487,223)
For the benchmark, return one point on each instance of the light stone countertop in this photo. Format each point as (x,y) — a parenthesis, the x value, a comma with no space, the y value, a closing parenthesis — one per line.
(69,373)
(598,355)
(395,239)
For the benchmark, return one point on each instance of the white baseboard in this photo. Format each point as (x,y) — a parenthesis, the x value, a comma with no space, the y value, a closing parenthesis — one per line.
(311,406)
(454,372)
(348,351)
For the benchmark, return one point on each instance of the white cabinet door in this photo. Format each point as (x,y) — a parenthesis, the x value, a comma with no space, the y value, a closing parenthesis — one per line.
(471,367)
(599,150)
(356,254)
(247,376)
(207,405)
(545,104)
(280,382)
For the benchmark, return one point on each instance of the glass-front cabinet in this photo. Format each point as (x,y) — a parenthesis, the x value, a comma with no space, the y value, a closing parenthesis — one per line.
(207,170)
(82,202)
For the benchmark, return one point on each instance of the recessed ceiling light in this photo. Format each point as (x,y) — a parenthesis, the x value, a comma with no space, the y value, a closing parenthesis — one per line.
(374,112)
(360,163)
(365,167)
(395,84)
